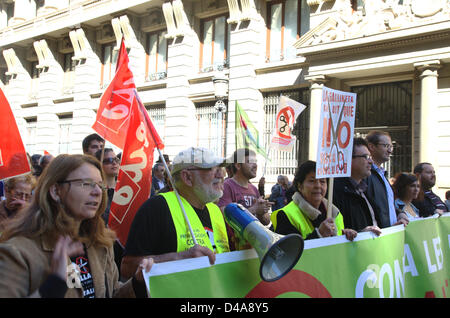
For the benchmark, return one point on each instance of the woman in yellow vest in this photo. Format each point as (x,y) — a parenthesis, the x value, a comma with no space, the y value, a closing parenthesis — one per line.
(306,214)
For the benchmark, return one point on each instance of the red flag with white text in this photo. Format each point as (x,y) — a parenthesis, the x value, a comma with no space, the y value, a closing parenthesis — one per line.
(114,110)
(13,157)
(134,180)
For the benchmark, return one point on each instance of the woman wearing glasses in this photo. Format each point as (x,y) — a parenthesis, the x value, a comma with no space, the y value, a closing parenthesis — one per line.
(110,164)
(64,222)
(17,194)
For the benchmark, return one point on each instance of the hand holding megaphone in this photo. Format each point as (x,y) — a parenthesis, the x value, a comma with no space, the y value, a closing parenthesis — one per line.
(278,253)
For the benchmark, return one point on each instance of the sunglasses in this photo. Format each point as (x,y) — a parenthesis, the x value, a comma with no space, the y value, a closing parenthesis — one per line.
(109,161)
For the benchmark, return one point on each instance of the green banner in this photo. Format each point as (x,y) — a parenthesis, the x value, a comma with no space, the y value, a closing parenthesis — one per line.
(402,262)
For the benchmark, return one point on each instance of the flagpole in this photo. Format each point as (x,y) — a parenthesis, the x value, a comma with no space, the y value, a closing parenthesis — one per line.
(330,197)
(169,175)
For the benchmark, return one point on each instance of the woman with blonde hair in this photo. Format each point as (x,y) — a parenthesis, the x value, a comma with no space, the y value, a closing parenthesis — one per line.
(64,220)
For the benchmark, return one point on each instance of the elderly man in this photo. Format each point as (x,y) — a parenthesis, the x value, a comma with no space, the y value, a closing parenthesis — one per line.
(159,228)
(350,194)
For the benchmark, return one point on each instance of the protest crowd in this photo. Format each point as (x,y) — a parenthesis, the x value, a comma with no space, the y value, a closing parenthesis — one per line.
(61,211)
(62,235)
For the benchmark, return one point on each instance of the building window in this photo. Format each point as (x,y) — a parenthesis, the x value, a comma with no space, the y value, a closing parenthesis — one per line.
(208,129)
(69,73)
(109,59)
(30,144)
(282,162)
(158,117)
(287,20)
(215,44)
(64,133)
(156,64)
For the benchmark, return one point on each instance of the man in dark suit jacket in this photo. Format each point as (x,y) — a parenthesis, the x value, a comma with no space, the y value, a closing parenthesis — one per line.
(378,187)
(349,194)
(158,181)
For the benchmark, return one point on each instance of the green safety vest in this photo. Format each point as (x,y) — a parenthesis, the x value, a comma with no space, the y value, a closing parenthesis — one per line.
(184,238)
(301,222)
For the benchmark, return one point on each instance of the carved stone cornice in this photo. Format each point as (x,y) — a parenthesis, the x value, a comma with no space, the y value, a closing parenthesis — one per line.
(386,41)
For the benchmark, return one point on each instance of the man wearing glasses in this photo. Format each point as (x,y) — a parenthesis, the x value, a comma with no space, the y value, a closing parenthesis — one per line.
(378,186)
(350,195)
(159,227)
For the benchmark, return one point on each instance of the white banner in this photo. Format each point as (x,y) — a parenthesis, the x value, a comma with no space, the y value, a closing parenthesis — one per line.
(287,113)
(337,121)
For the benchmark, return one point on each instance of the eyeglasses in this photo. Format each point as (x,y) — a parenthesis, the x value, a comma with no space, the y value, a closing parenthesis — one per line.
(21,195)
(367,157)
(109,161)
(86,184)
(387,146)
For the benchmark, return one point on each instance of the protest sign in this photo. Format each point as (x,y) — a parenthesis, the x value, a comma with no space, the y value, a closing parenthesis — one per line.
(410,261)
(337,120)
(287,113)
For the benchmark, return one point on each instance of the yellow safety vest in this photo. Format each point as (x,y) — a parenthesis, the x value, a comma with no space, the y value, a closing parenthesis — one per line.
(301,222)
(184,238)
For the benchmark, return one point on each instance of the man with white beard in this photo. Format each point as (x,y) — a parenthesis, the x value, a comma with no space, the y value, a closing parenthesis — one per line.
(159,228)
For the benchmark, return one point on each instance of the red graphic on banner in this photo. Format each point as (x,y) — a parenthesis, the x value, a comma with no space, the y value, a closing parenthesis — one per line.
(294,281)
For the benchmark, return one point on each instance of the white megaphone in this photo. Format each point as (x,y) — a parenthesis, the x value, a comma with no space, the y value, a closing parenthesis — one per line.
(278,253)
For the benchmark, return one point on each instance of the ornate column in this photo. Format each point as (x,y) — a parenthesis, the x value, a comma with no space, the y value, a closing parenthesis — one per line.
(85,82)
(180,110)
(50,86)
(428,109)
(245,52)
(317,83)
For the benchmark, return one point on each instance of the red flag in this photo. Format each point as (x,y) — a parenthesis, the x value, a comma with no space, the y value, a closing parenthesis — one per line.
(113,113)
(13,158)
(134,181)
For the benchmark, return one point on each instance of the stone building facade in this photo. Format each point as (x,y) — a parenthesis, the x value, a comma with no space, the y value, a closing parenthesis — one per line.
(58,57)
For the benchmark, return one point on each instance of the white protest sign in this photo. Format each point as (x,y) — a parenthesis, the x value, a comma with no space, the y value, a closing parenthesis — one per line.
(337,121)
(287,113)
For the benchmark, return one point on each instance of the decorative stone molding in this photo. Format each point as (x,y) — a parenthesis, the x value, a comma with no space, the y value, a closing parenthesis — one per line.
(379,16)
(80,44)
(247,12)
(235,12)
(43,53)
(176,19)
(122,27)
(12,61)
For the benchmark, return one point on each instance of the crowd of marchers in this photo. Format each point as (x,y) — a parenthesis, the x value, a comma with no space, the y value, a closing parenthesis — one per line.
(55,240)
